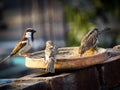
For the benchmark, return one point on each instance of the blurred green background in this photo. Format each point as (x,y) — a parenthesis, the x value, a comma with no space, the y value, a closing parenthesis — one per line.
(84,15)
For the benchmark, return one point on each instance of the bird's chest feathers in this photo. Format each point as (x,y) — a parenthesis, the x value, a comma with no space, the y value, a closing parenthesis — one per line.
(30,41)
(29,37)
(28,45)
(48,53)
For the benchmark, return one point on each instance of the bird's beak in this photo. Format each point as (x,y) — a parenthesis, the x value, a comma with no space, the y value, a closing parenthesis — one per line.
(34,31)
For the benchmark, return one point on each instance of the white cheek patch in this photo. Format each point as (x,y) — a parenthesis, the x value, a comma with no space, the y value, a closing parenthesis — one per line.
(28,34)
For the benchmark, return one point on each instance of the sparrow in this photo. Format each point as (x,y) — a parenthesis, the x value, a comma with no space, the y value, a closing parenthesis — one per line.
(50,56)
(90,40)
(23,45)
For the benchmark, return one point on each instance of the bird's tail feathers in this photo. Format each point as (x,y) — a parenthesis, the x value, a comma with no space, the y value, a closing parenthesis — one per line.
(4,59)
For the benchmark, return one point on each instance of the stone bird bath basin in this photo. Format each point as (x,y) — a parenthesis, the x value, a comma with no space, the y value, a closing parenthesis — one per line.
(68,58)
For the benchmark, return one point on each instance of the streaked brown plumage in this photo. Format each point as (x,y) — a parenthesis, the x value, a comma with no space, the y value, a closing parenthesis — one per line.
(50,56)
(23,45)
(90,40)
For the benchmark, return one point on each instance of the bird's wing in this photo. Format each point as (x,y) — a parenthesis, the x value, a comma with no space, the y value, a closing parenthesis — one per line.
(18,47)
(92,39)
(88,41)
(50,66)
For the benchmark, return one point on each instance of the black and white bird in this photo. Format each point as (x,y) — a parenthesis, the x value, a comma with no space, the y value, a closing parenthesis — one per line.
(90,40)
(23,45)
(50,56)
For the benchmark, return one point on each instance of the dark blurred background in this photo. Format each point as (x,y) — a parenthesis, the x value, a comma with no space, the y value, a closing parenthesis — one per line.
(63,21)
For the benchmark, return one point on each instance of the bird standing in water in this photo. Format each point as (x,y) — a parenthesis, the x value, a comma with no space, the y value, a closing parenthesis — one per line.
(23,45)
(50,56)
(90,41)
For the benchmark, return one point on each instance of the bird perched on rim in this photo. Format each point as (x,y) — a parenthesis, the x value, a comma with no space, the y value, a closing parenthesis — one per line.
(23,45)
(50,56)
(90,40)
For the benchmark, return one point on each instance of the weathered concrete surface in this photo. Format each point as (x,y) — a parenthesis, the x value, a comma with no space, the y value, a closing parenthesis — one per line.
(111,73)
(84,79)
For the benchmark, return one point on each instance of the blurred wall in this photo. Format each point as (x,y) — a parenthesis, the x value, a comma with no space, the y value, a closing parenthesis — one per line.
(46,16)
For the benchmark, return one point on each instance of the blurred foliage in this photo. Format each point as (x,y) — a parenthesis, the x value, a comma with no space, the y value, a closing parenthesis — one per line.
(82,15)
(79,22)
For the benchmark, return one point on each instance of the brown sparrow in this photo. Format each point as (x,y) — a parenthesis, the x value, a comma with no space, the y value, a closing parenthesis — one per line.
(90,40)
(23,45)
(50,56)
